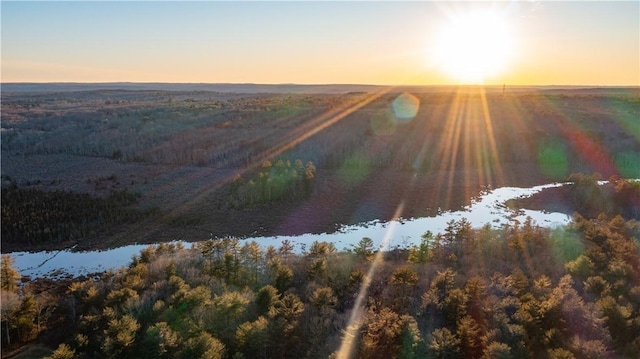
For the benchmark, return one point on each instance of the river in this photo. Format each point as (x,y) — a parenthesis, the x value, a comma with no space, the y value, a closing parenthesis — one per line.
(489,208)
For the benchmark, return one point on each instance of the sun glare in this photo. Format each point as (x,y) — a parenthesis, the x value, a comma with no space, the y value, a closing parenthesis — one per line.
(474,46)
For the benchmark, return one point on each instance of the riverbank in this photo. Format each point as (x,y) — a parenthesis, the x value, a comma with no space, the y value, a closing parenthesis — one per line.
(195,212)
(488,208)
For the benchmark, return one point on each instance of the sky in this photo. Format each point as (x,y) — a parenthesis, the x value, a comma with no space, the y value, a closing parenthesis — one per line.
(351,42)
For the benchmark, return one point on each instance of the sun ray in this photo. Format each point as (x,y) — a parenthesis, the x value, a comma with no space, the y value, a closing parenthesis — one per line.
(448,150)
(213,180)
(492,141)
(349,338)
(467,125)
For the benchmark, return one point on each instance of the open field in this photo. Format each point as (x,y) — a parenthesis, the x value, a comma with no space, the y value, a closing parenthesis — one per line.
(195,155)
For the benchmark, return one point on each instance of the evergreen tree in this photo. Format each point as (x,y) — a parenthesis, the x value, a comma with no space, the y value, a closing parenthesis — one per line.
(203,346)
(253,338)
(119,336)
(8,275)
(63,351)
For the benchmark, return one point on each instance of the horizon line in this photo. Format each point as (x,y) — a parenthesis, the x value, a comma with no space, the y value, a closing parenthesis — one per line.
(310,84)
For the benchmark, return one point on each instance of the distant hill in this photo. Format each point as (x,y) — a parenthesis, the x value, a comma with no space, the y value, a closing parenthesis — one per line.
(285,88)
(159,86)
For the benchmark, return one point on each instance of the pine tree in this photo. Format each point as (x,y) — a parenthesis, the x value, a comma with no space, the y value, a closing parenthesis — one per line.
(63,351)
(8,275)
(253,338)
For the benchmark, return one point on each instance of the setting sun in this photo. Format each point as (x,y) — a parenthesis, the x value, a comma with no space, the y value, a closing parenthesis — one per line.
(474,46)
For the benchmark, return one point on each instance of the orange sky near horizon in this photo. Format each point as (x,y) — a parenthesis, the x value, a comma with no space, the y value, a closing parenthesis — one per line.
(382,43)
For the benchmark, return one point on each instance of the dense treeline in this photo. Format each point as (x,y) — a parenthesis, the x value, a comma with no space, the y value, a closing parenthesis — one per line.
(588,195)
(35,216)
(274,182)
(520,291)
(619,197)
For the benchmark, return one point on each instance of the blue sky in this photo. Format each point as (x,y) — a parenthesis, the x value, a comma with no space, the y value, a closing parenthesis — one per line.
(308,42)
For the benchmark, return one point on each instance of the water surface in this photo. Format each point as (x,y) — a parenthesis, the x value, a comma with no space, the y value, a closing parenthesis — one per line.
(488,208)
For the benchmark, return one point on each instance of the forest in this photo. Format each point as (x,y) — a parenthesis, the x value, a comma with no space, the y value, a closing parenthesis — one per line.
(520,291)
(35,216)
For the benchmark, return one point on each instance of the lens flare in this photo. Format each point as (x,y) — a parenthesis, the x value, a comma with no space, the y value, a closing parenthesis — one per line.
(354,170)
(405,107)
(350,336)
(552,159)
(628,163)
(383,123)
